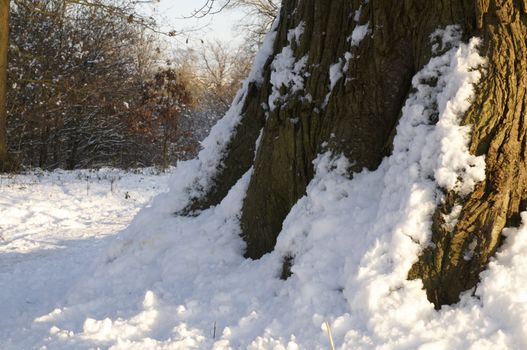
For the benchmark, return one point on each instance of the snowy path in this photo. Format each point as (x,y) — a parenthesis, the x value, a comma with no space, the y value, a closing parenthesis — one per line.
(37,281)
(52,227)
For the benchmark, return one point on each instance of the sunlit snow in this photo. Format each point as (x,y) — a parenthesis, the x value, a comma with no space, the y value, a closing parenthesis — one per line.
(174,282)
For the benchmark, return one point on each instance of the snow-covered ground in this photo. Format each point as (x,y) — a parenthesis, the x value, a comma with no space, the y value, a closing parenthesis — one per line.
(52,227)
(70,280)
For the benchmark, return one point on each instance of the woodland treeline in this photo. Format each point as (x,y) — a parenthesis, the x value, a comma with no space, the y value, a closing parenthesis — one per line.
(92,86)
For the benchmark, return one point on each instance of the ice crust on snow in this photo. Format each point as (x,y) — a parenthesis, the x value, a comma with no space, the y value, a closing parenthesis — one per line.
(171,282)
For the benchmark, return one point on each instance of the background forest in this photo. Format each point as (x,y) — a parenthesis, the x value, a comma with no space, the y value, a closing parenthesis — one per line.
(99,85)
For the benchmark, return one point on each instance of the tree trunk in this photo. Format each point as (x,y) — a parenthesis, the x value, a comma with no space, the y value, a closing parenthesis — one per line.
(4,46)
(44,146)
(363,106)
(71,162)
(356,115)
(499,133)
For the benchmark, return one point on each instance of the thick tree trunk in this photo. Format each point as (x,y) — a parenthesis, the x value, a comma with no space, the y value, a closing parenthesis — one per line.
(356,115)
(363,106)
(500,128)
(4,46)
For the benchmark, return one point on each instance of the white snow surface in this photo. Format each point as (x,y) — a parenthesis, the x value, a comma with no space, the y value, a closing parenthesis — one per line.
(173,282)
(52,228)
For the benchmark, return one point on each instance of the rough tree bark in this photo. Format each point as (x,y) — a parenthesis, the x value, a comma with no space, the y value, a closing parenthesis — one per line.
(4,45)
(362,111)
(500,130)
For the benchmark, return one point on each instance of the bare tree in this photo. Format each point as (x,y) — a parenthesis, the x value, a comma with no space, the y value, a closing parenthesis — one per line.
(64,10)
(260,14)
(77,72)
(216,71)
(222,68)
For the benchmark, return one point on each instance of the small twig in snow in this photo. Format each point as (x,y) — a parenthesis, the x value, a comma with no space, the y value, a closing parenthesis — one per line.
(328,329)
(214,332)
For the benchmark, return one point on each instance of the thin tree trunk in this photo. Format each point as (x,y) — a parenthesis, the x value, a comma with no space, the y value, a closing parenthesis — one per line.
(72,158)
(4,47)
(44,147)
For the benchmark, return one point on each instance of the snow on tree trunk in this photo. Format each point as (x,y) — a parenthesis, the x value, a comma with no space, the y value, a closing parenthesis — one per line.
(337,79)
(467,230)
